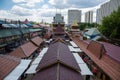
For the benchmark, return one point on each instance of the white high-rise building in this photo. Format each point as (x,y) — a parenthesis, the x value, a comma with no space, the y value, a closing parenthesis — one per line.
(106,9)
(74,15)
(89,17)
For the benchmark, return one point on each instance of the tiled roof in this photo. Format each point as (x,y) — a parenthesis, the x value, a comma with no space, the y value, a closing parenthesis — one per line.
(59,30)
(58,36)
(58,64)
(57,72)
(18,53)
(7,64)
(112,50)
(58,52)
(58,40)
(110,66)
(96,48)
(37,41)
(24,51)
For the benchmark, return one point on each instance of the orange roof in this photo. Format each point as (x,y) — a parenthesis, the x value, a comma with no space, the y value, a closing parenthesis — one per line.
(37,41)
(110,66)
(25,50)
(7,64)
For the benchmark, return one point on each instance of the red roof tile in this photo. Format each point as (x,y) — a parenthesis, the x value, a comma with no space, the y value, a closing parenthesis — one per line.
(24,51)
(7,64)
(110,66)
(37,41)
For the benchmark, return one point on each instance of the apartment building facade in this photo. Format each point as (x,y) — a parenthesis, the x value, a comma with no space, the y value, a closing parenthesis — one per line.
(74,15)
(106,9)
(89,17)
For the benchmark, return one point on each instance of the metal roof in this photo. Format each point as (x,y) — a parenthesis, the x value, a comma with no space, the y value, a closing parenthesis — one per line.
(7,64)
(58,64)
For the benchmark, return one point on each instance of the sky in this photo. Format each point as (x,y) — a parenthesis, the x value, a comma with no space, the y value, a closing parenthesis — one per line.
(44,10)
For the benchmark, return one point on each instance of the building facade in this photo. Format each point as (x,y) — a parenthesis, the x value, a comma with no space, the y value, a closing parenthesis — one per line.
(106,9)
(89,17)
(58,26)
(74,15)
(58,18)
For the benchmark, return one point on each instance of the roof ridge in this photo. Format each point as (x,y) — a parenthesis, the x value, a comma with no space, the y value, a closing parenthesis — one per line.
(59,40)
(58,71)
(70,67)
(58,58)
(34,43)
(34,39)
(58,62)
(23,50)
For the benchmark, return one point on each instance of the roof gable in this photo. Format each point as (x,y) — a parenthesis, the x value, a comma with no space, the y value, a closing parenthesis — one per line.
(24,51)
(18,53)
(59,30)
(58,53)
(37,41)
(57,72)
(58,64)
(28,48)
(96,48)
(59,40)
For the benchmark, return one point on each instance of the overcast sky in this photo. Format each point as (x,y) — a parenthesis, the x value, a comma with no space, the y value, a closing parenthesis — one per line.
(38,10)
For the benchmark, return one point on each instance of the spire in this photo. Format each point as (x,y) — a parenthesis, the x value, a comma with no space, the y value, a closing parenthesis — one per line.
(74,25)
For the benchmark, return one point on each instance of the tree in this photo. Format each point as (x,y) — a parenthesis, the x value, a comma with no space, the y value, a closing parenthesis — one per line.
(82,26)
(111,25)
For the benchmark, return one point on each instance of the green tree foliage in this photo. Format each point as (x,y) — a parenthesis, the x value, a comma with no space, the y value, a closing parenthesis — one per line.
(111,25)
(82,26)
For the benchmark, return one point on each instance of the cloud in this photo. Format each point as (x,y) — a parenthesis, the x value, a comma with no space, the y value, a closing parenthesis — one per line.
(27,3)
(22,11)
(17,1)
(27,9)
(54,2)
(59,3)
(76,3)
(9,15)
